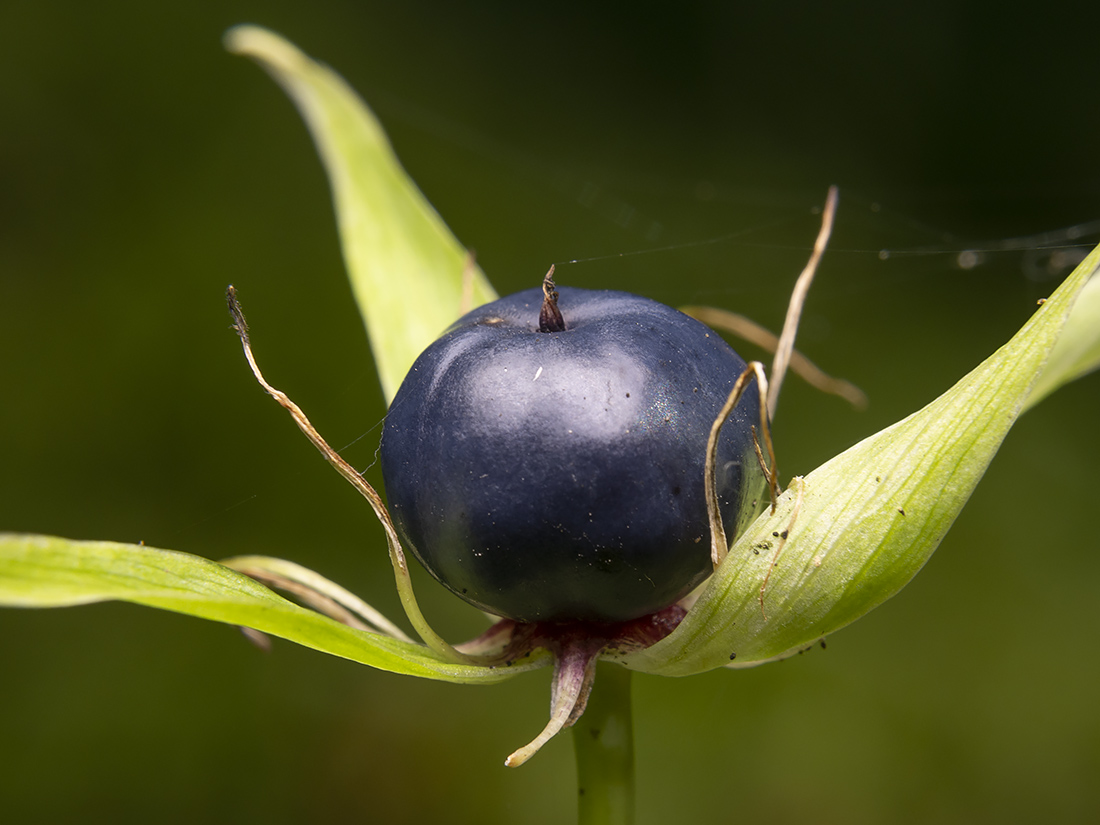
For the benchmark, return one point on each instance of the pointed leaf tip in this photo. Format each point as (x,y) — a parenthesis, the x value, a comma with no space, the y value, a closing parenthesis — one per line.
(411,277)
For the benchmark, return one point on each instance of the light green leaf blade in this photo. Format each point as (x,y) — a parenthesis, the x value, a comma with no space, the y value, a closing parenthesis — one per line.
(406,267)
(869,518)
(43,571)
(1077,352)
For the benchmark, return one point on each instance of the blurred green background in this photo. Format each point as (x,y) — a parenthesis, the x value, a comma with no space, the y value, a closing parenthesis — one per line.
(142,169)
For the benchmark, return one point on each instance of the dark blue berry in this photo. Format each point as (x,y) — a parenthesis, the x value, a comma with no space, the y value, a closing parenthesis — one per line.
(558,475)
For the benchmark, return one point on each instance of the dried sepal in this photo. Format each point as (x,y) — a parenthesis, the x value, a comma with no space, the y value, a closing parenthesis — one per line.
(317,592)
(393,543)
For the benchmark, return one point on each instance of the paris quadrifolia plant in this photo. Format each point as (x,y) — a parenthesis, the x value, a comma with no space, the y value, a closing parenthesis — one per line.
(592,470)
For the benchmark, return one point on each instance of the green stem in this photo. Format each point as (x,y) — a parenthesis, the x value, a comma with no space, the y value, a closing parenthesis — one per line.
(603,740)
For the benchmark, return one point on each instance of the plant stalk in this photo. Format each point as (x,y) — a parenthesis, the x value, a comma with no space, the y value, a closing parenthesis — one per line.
(603,741)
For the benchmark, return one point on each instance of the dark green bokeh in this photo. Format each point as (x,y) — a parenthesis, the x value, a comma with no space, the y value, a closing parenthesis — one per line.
(142,169)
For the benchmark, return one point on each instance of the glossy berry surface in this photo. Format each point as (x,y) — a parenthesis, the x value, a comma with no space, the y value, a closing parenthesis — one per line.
(558,476)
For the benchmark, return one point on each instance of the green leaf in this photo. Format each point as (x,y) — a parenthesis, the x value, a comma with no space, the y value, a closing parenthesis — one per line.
(1077,352)
(406,267)
(869,518)
(42,571)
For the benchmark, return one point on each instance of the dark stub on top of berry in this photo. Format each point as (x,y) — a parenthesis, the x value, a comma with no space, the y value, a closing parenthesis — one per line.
(550,319)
